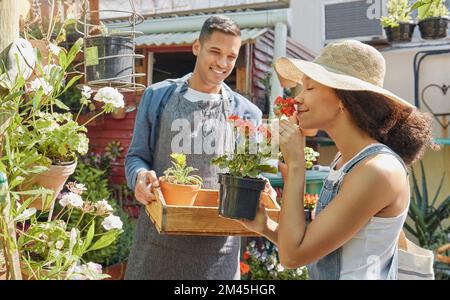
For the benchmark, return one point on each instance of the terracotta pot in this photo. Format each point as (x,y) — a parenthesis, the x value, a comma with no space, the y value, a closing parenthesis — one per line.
(178,194)
(54,179)
(116,271)
(119,113)
(27,274)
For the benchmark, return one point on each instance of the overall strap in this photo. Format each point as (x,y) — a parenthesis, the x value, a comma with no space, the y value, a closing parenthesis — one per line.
(374,149)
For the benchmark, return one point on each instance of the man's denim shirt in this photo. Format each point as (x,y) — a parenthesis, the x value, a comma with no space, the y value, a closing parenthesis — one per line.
(140,152)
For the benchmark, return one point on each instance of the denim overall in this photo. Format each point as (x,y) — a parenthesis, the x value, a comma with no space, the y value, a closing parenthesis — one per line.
(329,266)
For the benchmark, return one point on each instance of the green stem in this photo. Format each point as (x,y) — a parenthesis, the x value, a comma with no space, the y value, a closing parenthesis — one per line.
(87,224)
(79,221)
(100,113)
(79,112)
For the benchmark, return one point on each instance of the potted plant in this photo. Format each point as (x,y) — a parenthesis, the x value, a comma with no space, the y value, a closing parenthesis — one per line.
(398,23)
(240,188)
(177,185)
(55,249)
(109,57)
(434,19)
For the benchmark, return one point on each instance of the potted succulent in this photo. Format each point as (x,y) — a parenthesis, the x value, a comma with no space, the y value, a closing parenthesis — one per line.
(398,24)
(434,19)
(240,188)
(177,185)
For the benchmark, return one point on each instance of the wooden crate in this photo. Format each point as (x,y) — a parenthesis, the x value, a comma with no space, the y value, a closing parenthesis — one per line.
(202,218)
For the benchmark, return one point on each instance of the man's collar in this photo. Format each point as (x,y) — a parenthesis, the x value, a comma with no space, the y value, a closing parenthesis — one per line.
(185,81)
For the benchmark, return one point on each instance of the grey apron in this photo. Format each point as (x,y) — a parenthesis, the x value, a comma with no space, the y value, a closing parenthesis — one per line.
(156,256)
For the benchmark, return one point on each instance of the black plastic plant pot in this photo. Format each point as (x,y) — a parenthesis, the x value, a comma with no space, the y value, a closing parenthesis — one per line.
(433,28)
(117,64)
(239,197)
(402,33)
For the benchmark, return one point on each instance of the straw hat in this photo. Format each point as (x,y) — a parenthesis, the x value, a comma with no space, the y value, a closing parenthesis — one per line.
(346,65)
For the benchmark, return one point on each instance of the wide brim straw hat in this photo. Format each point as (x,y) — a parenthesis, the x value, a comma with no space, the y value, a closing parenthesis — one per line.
(346,65)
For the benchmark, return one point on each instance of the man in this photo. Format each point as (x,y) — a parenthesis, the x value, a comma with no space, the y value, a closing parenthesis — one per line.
(204,102)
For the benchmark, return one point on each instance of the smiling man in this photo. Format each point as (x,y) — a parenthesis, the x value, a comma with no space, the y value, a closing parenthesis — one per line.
(201,102)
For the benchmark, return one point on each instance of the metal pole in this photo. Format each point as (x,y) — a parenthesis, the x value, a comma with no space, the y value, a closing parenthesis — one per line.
(278,51)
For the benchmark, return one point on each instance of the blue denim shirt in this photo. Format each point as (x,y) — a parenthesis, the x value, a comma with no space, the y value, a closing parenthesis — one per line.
(329,266)
(152,103)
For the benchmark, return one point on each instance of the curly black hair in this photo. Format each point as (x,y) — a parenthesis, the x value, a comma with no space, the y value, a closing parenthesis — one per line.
(405,130)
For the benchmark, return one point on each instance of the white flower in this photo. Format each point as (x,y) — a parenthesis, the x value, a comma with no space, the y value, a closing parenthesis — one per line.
(103,204)
(280,268)
(48,69)
(86,92)
(59,244)
(112,222)
(93,267)
(299,271)
(110,95)
(71,199)
(54,49)
(39,83)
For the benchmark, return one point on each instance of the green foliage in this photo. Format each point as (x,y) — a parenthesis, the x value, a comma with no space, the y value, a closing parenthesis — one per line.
(94,169)
(428,219)
(398,11)
(249,158)
(261,257)
(179,173)
(431,8)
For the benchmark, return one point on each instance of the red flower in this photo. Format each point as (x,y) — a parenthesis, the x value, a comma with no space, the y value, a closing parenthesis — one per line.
(284,107)
(244,268)
(233,118)
(246,255)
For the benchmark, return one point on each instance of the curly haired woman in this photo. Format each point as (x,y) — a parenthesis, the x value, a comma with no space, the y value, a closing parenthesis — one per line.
(364,202)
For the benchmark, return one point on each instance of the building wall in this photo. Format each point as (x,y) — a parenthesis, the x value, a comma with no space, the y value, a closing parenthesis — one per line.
(307,23)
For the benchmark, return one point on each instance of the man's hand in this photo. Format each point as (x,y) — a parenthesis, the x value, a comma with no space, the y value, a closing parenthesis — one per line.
(144,182)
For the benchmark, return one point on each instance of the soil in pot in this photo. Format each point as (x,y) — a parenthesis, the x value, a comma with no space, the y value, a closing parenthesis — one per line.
(110,68)
(239,197)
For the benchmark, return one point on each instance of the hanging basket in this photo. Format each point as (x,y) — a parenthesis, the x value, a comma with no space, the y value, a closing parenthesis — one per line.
(115,59)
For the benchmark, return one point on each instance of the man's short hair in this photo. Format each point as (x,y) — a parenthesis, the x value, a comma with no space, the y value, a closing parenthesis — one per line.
(220,23)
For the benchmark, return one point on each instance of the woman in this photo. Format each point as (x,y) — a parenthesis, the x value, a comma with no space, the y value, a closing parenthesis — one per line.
(365,199)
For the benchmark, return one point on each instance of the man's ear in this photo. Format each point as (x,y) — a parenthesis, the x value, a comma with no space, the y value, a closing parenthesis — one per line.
(196,47)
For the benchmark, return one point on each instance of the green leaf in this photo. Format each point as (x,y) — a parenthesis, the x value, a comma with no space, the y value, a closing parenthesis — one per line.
(89,236)
(438,190)
(424,189)
(71,82)
(104,241)
(61,105)
(63,59)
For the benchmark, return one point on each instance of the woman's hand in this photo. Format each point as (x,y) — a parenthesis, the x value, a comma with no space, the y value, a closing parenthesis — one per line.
(292,143)
(259,224)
